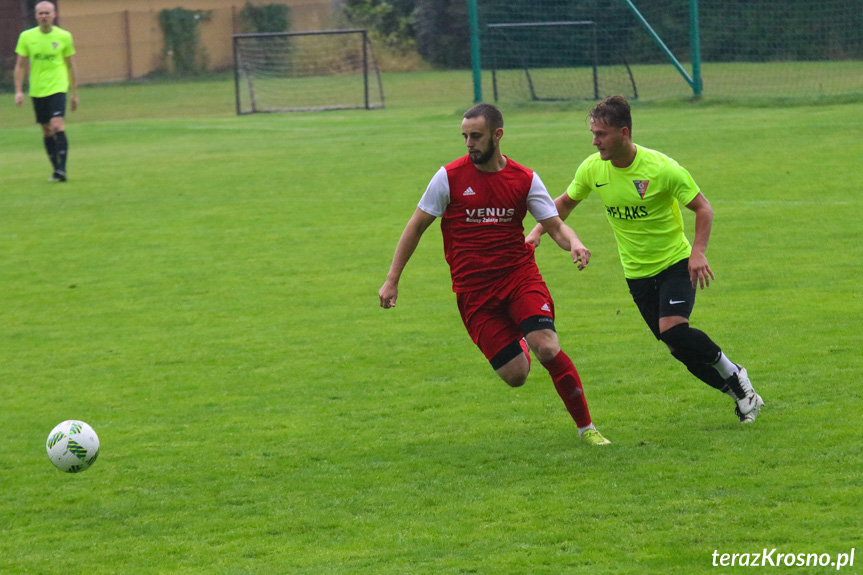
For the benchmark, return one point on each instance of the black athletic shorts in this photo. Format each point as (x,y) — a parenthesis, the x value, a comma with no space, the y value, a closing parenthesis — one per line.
(668,293)
(53,106)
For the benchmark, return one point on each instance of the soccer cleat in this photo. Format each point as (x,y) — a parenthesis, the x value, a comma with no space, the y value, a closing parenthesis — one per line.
(748,408)
(593,437)
(750,404)
(743,378)
(58,176)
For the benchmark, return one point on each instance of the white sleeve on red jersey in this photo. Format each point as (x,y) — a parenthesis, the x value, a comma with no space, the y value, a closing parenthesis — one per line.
(539,202)
(436,197)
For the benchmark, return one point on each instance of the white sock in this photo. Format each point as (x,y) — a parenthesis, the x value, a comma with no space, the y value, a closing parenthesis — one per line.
(725,367)
(581,430)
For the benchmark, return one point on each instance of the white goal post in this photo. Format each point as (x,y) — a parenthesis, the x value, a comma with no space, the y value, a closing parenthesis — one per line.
(305,71)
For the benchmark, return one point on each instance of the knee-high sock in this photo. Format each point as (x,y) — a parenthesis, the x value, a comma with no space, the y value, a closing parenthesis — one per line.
(699,353)
(62,151)
(51,149)
(700,369)
(568,386)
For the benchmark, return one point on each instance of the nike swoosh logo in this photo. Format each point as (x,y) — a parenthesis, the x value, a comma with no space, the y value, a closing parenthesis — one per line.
(672,302)
(598,185)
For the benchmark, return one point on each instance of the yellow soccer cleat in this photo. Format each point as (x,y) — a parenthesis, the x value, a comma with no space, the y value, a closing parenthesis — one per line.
(593,437)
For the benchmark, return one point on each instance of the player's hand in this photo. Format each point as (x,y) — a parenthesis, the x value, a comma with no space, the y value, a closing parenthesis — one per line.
(19,98)
(73,103)
(700,273)
(388,294)
(580,255)
(532,239)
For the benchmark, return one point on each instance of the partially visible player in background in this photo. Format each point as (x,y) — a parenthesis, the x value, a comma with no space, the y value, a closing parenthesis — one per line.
(641,190)
(46,53)
(482,200)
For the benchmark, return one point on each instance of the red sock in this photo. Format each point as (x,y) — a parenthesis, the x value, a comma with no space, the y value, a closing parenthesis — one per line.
(568,386)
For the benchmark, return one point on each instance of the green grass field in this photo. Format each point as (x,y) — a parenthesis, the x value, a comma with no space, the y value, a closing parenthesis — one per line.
(203,292)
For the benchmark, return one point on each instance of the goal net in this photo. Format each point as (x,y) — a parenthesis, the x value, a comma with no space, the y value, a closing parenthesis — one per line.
(548,61)
(795,50)
(305,71)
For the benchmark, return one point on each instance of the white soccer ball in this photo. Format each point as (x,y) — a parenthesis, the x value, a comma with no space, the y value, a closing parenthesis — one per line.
(72,446)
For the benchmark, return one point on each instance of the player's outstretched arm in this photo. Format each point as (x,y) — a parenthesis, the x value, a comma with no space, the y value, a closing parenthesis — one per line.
(565,205)
(700,273)
(567,239)
(408,242)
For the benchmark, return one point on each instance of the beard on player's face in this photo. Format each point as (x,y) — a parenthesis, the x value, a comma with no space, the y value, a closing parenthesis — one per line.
(480,157)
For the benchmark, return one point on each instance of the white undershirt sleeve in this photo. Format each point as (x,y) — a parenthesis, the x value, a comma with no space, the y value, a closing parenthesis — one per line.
(539,202)
(436,197)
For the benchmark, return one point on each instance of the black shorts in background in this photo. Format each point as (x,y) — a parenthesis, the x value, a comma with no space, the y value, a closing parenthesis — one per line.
(668,293)
(53,106)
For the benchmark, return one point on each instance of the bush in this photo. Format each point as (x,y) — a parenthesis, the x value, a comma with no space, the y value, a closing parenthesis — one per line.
(442,32)
(266,18)
(7,82)
(391,23)
(183,52)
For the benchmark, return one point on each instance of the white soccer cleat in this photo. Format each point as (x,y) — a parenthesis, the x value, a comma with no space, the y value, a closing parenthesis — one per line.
(743,378)
(749,407)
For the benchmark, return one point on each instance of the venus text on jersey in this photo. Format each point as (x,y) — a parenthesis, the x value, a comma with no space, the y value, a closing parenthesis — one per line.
(489,215)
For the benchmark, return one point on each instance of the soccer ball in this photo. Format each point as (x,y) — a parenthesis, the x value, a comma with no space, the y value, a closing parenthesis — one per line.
(72,446)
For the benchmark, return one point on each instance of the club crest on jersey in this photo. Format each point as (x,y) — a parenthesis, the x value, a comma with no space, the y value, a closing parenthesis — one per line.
(55,44)
(641,187)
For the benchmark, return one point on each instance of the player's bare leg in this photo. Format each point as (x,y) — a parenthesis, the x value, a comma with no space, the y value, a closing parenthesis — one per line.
(515,371)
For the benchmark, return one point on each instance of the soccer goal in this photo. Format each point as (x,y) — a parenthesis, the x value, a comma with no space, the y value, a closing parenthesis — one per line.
(305,71)
(553,61)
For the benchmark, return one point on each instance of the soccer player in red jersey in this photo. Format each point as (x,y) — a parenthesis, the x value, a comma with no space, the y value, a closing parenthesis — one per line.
(482,200)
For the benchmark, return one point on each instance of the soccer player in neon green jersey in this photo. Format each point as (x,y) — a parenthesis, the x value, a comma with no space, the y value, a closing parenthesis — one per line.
(641,190)
(46,53)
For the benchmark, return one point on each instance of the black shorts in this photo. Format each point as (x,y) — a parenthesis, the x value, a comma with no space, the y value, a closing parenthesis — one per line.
(668,293)
(53,106)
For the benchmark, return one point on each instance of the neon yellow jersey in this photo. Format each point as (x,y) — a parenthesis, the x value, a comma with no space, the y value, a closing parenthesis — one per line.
(641,204)
(47,54)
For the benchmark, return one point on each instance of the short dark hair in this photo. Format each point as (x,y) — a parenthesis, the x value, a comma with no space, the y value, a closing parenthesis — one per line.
(493,117)
(613,111)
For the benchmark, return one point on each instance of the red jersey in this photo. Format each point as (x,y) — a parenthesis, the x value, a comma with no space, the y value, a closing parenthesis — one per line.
(482,215)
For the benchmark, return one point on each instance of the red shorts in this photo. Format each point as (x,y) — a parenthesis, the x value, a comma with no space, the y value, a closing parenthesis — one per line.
(493,316)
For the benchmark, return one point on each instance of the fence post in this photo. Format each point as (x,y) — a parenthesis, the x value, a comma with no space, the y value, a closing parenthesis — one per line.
(695,42)
(473,22)
(128,34)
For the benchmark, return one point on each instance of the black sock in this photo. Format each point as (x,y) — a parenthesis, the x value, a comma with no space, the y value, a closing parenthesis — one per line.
(695,349)
(62,151)
(695,342)
(701,344)
(51,148)
(700,369)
